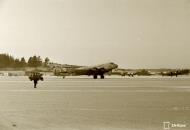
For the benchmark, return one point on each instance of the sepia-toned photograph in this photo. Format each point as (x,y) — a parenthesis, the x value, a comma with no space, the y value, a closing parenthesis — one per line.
(94,64)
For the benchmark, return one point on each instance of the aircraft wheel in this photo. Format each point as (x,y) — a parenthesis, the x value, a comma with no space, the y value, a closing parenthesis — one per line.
(102,76)
(95,76)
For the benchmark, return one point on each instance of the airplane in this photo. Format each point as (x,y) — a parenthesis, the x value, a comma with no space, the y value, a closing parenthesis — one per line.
(118,71)
(132,73)
(143,72)
(122,72)
(175,72)
(170,73)
(88,70)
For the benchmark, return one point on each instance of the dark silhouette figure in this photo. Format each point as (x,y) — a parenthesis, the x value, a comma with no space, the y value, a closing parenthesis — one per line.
(35,82)
(36,77)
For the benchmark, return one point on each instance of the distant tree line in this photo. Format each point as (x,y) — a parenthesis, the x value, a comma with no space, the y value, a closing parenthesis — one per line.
(8,61)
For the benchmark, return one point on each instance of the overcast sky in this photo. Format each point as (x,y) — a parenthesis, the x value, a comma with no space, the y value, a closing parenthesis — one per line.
(131,33)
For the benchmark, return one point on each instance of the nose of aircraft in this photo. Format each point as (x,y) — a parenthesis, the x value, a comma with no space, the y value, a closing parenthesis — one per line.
(116,65)
(113,65)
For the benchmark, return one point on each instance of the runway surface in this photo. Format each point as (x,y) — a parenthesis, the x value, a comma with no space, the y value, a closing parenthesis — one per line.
(87,104)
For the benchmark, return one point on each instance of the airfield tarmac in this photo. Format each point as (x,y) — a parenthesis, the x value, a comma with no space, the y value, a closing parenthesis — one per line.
(115,103)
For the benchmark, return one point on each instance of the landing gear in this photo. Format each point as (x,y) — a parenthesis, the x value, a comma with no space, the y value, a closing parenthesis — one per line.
(95,76)
(102,76)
